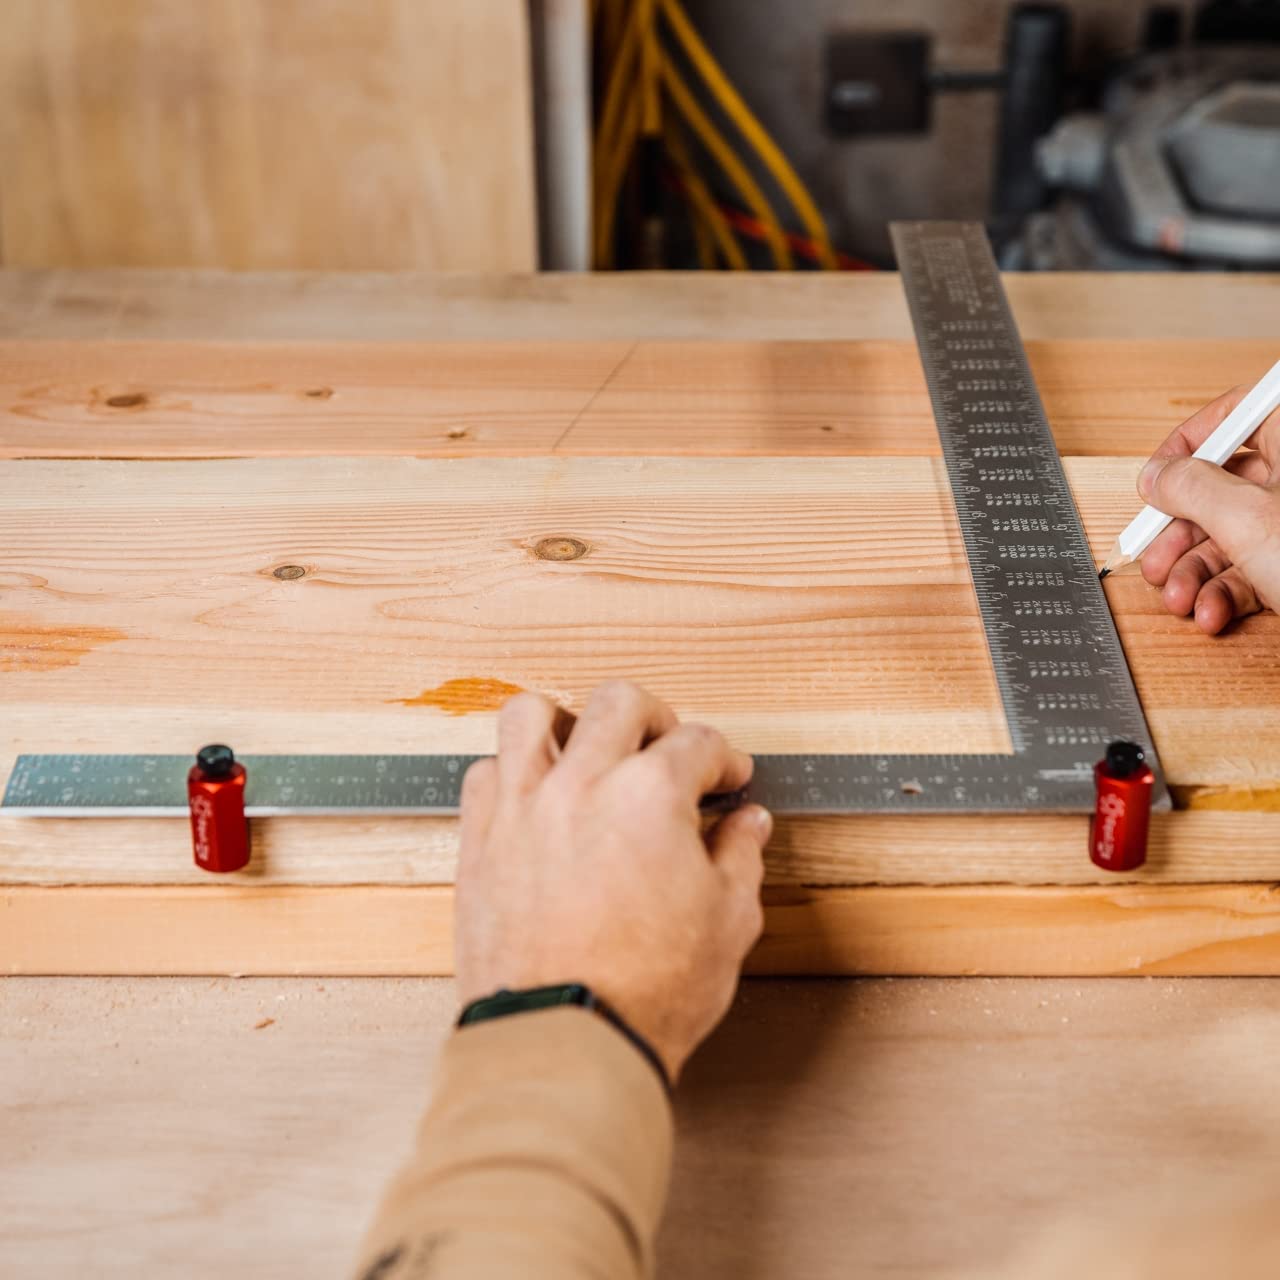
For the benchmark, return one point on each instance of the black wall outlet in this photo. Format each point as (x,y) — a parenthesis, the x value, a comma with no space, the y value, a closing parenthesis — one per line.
(878,82)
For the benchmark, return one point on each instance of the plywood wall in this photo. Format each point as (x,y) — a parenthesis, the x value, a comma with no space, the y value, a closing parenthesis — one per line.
(266,134)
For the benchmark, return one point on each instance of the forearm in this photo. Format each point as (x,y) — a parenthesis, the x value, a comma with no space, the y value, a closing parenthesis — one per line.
(544,1154)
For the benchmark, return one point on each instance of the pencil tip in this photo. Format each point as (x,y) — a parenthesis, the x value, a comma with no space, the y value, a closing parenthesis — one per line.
(1102,573)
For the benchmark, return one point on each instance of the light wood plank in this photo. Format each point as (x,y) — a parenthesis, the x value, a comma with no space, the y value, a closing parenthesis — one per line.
(756,306)
(267,133)
(803,627)
(156,400)
(1065,1088)
(1227,929)
(199,400)
(909,930)
(1101,398)
(1198,847)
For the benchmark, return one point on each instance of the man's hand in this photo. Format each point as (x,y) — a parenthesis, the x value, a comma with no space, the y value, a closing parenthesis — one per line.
(583,860)
(1221,559)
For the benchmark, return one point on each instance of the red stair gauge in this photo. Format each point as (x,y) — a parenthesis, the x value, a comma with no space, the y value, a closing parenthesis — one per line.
(1124,781)
(215,793)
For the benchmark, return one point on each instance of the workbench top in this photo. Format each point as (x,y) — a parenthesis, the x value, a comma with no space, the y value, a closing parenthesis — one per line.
(897,1127)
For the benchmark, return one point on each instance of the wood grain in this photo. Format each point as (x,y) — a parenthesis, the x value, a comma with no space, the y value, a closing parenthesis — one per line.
(199,400)
(157,400)
(802,627)
(120,578)
(1011,930)
(1101,398)
(1064,1089)
(868,1100)
(908,930)
(1199,847)
(267,134)
(421,306)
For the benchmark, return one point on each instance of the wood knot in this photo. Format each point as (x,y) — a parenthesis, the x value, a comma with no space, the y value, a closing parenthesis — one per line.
(289,571)
(560,549)
(127,400)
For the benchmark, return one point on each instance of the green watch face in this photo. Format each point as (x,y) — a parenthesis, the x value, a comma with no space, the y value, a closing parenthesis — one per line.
(502,1003)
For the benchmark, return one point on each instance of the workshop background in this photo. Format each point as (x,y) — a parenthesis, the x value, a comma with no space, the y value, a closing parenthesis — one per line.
(320,502)
(402,134)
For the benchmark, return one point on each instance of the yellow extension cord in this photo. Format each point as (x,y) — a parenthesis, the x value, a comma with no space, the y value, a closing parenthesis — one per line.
(752,130)
(708,220)
(637,69)
(728,160)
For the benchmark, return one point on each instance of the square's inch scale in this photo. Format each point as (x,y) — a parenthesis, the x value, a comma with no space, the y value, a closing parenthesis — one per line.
(1059,665)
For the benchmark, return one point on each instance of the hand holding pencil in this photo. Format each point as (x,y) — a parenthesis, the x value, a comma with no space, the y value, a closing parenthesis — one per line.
(1219,558)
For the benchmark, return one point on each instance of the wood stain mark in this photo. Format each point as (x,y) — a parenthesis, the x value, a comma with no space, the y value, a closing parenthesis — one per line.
(127,400)
(1238,799)
(50,648)
(461,696)
(318,393)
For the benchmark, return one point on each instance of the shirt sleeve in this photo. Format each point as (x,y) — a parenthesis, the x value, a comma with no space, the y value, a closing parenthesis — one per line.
(544,1154)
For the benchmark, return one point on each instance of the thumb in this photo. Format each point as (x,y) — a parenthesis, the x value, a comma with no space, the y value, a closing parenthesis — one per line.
(737,845)
(1222,504)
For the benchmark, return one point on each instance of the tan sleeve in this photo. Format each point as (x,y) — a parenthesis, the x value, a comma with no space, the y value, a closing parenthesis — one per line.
(544,1154)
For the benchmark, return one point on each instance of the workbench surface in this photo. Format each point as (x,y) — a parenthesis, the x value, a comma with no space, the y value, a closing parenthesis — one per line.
(214,1127)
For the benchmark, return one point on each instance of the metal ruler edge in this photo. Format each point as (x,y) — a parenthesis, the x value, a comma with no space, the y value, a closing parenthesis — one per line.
(84,786)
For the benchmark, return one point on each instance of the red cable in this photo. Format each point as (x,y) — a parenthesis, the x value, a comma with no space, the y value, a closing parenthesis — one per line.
(749,226)
(805,247)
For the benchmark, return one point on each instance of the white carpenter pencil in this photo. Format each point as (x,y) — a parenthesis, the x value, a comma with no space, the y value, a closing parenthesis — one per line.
(1236,428)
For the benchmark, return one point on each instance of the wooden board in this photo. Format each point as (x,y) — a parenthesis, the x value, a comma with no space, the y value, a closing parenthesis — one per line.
(153,587)
(198,400)
(908,930)
(267,134)
(793,601)
(1195,847)
(421,306)
(1099,1102)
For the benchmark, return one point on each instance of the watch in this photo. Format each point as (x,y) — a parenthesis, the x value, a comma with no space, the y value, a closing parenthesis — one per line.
(504,1002)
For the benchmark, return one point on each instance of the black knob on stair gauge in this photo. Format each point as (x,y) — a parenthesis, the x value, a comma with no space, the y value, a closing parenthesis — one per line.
(216,761)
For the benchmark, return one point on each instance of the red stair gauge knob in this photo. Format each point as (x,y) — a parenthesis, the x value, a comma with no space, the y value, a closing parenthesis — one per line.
(215,793)
(1124,782)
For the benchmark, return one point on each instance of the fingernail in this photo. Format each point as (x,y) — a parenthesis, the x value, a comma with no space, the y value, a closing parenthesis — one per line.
(763,820)
(1147,477)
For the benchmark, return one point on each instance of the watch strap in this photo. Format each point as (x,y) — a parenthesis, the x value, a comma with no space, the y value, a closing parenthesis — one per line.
(505,1002)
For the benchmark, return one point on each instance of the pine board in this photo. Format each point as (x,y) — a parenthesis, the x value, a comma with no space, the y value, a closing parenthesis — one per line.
(142,606)
(203,399)
(793,601)
(1196,847)
(1128,930)
(424,306)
